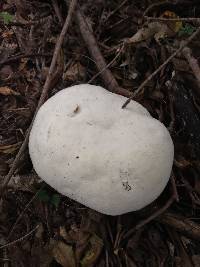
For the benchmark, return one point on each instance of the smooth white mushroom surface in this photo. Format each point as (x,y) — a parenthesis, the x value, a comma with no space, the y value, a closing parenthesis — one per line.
(88,148)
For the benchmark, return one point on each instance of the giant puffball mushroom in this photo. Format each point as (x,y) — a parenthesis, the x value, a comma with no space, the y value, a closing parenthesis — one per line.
(113,160)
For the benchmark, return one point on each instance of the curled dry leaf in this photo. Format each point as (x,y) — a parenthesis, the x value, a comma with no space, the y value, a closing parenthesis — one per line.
(181,162)
(157,30)
(25,183)
(93,252)
(174,25)
(64,254)
(5,90)
(8,149)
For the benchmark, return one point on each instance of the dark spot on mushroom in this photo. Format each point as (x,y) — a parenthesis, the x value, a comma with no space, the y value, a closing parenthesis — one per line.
(77,157)
(77,109)
(126,186)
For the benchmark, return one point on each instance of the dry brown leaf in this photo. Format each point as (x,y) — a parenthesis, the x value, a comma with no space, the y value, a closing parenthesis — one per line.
(157,30)
(41,253)
(23,63)
(5,90)
(7,34)
(174,25)
(6,72)
(8,149)
(75,72)
(64,254)
(64,234)
(93,253)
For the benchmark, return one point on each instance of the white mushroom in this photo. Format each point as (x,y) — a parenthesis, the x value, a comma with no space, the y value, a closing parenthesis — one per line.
(110,159)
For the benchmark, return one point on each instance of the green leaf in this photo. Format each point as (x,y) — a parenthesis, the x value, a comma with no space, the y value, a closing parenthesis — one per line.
(7,17)
(43,196)
(187,29)
(55,200)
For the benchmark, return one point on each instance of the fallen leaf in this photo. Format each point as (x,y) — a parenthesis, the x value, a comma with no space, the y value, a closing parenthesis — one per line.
(5,90)
(173,25)
(64,234)
(181,162)
(26,183)
(64,254)
(23,63)
(8,149)
(7,34)
(93,252)
(186,29)
(157,30)
(6,17)
(75,72)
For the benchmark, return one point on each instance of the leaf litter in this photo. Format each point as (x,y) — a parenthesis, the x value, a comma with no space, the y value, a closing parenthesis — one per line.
(70,234)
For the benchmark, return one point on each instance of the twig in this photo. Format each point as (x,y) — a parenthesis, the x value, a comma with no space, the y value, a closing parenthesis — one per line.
(107,66)
(155,5)
(115,10)
(14,58)
(20,239)
(24,210)
(43,94)
(141,87)
(95,52)
(27,23)
(175,192)
(107,258)
(173,19)
(184,226)
(193,63)
(156,213)
(57,11)
(150,218)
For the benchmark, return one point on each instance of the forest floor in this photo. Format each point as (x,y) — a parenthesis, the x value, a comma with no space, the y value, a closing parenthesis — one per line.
(146,50)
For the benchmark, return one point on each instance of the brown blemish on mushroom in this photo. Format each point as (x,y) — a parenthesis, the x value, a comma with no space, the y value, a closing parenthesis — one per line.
(75,111)
(125,175)
(126,186)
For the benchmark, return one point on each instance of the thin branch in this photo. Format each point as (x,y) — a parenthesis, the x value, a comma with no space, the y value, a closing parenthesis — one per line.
(17,57)
(43,94)
(157,213)
(193,63)
(173,19)
(57,11)
(175,192)
(24,210)
(107,66)
(150,218)
(141,87)
(184,226)
(96,54)
(155,5)
(20,239)
(26,23)
(115,10)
